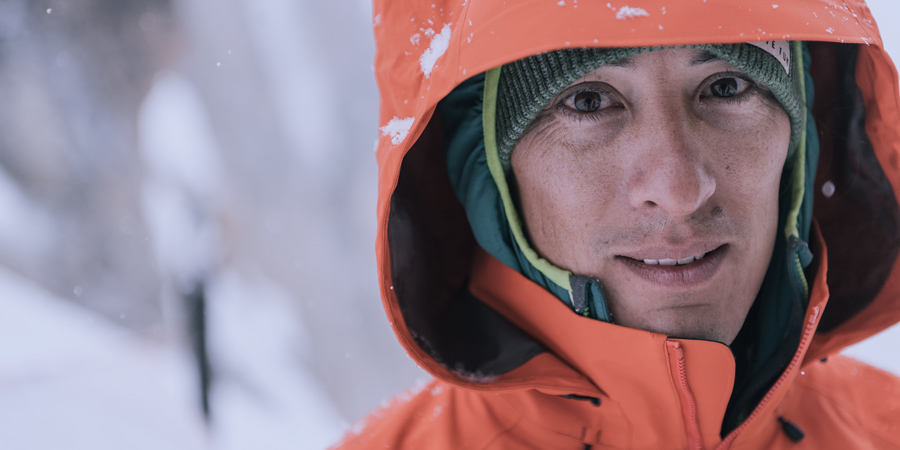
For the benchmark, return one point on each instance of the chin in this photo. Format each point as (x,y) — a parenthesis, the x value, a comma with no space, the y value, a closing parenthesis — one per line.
(691,327)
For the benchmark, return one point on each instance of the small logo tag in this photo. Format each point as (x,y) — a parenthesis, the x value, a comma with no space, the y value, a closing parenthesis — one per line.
(781,50)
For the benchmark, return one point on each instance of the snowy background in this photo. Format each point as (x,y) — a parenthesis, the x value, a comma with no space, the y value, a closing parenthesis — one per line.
(166,160)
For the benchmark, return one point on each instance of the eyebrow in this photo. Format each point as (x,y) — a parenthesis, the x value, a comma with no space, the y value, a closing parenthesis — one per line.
(627,62)
(704,57)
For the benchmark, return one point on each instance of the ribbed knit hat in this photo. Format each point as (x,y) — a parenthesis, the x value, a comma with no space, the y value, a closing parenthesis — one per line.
(528,84)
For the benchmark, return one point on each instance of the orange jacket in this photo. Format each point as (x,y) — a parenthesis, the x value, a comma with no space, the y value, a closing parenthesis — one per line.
(580,383)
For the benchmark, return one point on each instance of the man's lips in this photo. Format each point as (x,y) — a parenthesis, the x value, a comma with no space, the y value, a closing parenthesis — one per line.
(675,272)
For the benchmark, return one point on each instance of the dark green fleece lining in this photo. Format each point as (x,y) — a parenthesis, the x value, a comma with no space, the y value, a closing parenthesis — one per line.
(475,187)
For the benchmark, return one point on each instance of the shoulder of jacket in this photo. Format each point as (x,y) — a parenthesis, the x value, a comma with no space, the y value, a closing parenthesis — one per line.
(840,395)
(436,416)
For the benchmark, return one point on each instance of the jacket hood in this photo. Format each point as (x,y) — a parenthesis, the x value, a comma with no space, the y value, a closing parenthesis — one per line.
(455,309)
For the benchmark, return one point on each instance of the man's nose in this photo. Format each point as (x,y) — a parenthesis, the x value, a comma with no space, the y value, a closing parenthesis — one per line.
(670,172)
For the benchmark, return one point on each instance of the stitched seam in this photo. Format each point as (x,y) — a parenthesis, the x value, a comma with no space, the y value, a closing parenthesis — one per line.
(502,432)
(536,424)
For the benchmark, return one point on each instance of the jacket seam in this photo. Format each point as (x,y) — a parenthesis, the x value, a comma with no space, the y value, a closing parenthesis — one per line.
(537,424)
(501,432)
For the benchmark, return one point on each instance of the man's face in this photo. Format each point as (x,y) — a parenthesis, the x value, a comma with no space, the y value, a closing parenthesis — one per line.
(661,158)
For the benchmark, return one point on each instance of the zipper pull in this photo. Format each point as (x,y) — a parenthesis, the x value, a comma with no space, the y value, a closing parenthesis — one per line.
(791,429)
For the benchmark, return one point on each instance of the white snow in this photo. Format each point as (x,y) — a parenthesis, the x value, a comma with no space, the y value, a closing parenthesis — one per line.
(627,12)
(184,181)
(414,39)
(70,379)
(828,189)
(263,396)
(25,228)
(286,49)
(397,129)
(177,138)
(439,44)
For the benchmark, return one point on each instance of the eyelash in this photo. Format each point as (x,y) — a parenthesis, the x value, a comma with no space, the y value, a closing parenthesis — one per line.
(741,97)
(596,115)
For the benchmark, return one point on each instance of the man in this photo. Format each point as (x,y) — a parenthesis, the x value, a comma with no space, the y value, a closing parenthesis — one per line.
(597,225)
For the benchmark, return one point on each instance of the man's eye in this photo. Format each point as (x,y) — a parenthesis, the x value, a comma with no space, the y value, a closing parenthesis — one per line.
(727,86)
(587,102)
(724,88)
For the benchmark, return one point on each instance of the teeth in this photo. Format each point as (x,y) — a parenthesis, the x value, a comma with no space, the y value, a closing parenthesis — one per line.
(684,261)
(672,262)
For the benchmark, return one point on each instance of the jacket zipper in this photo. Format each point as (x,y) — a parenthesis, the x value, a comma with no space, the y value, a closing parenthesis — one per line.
(807,335)
(688,402)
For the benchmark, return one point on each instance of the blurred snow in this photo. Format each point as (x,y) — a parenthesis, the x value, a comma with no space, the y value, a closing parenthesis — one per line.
(263,395)
(69,379)
(881,350)
(24,228)
(306,97)
(176,138)
(183,186)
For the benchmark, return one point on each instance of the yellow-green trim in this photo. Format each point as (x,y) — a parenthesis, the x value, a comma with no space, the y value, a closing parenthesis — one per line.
(799,175)
(489,111)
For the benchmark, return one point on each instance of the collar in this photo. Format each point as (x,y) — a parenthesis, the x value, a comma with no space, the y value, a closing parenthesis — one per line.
(645,381)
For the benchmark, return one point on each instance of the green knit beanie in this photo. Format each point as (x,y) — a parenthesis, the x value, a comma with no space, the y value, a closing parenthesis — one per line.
(528,84)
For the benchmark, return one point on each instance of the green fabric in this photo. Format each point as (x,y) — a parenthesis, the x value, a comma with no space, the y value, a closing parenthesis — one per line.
(467,166)
(555,274)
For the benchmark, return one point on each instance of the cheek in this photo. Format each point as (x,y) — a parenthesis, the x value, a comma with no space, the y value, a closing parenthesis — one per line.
(750,160)
(562,189)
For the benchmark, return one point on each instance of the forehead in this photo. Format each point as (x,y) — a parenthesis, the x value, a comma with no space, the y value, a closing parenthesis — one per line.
(667,59)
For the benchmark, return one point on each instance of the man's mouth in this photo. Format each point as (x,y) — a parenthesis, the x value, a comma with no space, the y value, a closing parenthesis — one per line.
(675,272)
(673,261)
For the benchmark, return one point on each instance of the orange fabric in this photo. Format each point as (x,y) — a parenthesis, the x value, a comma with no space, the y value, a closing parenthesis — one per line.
(425,49)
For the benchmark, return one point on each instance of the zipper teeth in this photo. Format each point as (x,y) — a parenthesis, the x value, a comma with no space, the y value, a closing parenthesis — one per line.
(695,439)
(807,334)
